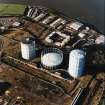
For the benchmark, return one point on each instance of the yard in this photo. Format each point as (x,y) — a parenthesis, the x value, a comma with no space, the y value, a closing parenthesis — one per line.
(12,9)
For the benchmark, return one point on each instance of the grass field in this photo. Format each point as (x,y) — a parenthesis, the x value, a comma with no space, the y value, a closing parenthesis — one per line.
(12,9)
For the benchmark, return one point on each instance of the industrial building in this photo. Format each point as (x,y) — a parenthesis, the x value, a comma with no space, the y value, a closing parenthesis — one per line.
(50,57)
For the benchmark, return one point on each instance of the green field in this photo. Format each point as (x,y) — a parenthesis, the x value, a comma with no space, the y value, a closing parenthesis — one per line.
(12,9)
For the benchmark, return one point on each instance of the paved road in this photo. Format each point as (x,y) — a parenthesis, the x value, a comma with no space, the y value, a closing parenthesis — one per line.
(88,10)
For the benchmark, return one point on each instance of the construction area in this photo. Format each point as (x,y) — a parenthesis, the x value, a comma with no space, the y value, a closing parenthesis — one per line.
(50,59)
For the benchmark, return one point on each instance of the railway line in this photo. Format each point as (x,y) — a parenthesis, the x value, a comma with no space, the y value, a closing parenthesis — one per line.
(91,91)
(33,70)
(78,92)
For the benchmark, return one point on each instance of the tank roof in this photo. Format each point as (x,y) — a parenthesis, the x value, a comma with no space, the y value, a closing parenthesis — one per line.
(28,40)
(52,59)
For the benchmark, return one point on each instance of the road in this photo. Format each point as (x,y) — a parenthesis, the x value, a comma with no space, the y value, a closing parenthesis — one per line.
(91,11)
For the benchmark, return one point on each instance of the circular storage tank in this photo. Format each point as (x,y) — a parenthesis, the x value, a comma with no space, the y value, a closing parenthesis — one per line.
(51,58)
(76,63)
(28,48)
